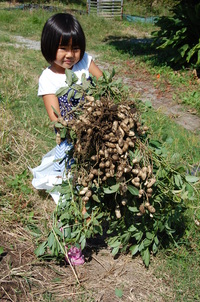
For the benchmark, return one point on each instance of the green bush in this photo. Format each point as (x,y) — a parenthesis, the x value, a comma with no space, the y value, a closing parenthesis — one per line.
(179,35)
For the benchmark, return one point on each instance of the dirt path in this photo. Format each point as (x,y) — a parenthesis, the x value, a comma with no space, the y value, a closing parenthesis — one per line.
(146,91)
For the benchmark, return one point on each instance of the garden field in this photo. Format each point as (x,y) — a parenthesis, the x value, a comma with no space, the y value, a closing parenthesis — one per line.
(168,101)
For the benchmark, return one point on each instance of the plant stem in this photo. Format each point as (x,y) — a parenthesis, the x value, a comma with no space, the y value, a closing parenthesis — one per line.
(66,255)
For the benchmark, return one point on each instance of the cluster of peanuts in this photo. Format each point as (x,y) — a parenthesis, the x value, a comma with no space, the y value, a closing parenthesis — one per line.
(105,134)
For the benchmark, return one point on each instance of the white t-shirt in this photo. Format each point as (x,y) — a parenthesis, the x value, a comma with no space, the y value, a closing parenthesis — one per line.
(50,82)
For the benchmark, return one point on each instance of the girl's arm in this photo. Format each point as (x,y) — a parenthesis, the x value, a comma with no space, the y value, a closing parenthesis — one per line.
(94,70)
(51,100)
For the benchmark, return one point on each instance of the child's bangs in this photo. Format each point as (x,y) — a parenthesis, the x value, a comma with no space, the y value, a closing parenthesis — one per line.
(65,39)
(76,39)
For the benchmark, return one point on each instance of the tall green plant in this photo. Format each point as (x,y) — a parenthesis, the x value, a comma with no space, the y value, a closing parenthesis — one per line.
(134,193)
(179,35)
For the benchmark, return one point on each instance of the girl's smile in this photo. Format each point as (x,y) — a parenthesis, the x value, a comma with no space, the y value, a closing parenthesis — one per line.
(66,58)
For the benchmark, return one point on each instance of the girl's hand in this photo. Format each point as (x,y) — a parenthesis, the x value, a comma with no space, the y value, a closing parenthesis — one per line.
(50,100)
(94,70)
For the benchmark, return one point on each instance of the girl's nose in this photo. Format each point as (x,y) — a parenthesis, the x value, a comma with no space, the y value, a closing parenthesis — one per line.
(69,52)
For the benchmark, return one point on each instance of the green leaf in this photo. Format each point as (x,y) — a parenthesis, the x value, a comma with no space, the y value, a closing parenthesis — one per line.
(70,94)
(134,249)
(58,232)
(54,110)
(125,238)
(146,257)
(155,143)
(95,198)
(191,178)
(63,133)
(115,244)
(74,78)
(106,75)
(156,240)
(115,250)
(78,95)
(111,189)
(98,229)
(138,237)
(83,242)
(133,190)
(85,82)
(55,248)
(40,250)
(184,195)
(112,73)
(154,248)
(119,292)
(59,125)
(77,87)
(133,209)
(149,235)
(132,228)
(1,250)
(141,246)
(198,57)
(86,215)
(99,216)
(183,49)
(147,242)
(72,134)
(68,76)
(51,239)
(62,91)
(67,232)
(178,181)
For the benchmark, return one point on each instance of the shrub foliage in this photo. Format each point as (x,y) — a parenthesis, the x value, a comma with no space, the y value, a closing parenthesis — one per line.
(179,35)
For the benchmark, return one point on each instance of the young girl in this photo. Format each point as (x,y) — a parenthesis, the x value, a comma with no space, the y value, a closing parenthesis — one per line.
(63,46)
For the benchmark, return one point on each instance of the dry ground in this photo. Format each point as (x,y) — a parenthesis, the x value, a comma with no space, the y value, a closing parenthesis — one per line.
(25,278)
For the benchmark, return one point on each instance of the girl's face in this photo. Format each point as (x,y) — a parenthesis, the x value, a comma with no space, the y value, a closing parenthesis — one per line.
(66,57)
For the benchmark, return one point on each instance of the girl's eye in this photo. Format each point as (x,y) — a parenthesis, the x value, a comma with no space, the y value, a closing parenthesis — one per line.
(65,48)
(76,48)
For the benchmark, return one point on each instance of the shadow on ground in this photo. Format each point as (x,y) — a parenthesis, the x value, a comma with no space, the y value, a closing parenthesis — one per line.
(140,46)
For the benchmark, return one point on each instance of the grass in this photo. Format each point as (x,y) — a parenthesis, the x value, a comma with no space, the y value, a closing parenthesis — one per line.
(27,133)
(174,137)
(182,264)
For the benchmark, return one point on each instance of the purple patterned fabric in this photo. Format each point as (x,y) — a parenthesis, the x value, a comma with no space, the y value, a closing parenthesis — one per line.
(65,104)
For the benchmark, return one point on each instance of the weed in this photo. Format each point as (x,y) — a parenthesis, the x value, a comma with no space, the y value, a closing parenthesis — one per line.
(18,182)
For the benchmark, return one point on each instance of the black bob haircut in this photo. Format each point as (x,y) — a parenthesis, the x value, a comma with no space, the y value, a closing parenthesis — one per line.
(57,31)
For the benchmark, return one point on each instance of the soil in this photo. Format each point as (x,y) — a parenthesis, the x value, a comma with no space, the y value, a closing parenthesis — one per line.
(24,278)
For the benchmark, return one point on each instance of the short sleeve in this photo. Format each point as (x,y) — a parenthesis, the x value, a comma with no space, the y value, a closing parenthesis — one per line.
(49,82)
